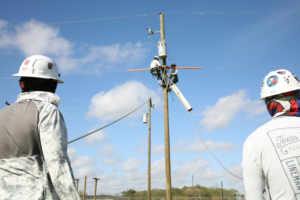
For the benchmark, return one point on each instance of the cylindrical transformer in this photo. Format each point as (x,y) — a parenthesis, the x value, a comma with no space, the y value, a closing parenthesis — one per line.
(145,118)
(162,49)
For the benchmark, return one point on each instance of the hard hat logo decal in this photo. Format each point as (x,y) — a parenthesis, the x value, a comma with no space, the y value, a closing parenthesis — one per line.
(24,68)
(281,72)
(26,62)
(50,65)
(272,81)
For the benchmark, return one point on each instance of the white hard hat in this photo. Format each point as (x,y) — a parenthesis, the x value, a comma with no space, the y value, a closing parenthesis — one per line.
(278,82)
(38,66)
(156,57)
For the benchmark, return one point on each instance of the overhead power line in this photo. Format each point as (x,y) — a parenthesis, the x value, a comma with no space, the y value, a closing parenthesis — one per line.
(99,72)
(115,120)
(142,15)
(80,21)
(209,149)
(226,13)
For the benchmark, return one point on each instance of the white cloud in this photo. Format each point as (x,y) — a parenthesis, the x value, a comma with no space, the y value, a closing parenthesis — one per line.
(107,150)
(143,143)
(139,151)
(116,54)
(120,100)
(79,161)
(38,38)
(158,149)
(192,167)
(203,175)
(198,146)
(132,179)
(132,165)
(112,161)
(33,38)
(158,167)
(140,148)
(234,182)
(84,171)
(226,108)
(95,138)
(115,168)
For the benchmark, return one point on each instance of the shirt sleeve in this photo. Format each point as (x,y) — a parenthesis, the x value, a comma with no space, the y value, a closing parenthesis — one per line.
(53,135)
(253,174)
(157,63)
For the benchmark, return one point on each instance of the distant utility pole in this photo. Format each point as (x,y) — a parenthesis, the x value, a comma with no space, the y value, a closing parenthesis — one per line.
(149,149)
(222,188)
(83,198)
(77,184)
(166,115)
(96,179)
(193,184)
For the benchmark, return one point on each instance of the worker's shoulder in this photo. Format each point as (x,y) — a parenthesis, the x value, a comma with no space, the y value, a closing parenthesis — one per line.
(19,107)
(46,107)
(261,134)
(42,99)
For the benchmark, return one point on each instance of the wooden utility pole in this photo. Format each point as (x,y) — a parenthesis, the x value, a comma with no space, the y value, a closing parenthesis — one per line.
(96,179)
(77,184)
(83,198)
(222,188)
(149,149)
(166,115)
(193,184)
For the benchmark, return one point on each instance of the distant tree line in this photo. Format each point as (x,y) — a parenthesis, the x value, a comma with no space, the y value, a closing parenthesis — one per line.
(197,191)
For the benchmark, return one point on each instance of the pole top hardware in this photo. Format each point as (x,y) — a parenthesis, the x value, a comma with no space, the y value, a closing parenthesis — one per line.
(151,32)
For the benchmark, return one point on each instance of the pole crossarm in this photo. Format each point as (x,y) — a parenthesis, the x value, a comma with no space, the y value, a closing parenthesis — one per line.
(134,70)
(184,67)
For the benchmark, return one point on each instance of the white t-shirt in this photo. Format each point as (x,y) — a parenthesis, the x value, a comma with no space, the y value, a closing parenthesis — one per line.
(271,160)
(154,63)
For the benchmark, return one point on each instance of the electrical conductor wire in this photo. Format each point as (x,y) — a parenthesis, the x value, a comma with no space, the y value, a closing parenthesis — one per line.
(79,21)
(210,151)
(143,15)
(88,73)
(113,121)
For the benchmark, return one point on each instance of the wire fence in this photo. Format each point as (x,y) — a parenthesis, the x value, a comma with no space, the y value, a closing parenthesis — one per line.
(101,197)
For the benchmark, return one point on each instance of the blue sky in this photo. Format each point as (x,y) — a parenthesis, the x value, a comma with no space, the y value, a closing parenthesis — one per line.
(236,50)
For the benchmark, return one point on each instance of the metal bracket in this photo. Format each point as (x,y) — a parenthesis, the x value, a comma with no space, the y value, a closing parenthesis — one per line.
(151,32)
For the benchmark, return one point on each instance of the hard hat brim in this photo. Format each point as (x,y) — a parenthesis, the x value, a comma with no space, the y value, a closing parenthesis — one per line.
(280,92)
(37,76)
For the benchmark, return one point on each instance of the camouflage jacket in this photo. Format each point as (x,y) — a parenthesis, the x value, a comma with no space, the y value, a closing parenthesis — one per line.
(35,166)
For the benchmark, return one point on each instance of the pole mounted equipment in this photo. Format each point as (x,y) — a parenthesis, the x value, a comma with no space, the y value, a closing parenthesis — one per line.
(151,32)
(162,51)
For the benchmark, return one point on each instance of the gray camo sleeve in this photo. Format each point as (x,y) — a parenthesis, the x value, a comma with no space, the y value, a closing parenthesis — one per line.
(53,134)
